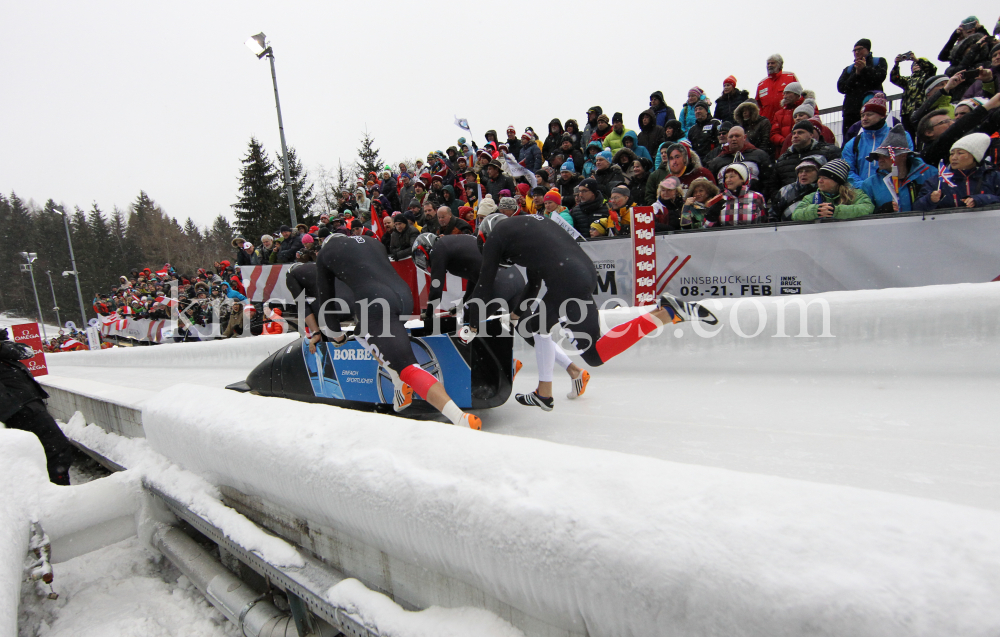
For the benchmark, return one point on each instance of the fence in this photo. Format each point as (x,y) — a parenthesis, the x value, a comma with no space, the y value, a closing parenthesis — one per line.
(833,117)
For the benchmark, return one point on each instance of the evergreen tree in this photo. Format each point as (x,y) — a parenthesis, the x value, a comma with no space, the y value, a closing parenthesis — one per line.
(257,209)
(192,231)
(302,191)
(368,158)
(343,181)
(17,236)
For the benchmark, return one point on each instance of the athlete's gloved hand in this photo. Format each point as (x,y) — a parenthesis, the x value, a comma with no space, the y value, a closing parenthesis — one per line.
(339,339)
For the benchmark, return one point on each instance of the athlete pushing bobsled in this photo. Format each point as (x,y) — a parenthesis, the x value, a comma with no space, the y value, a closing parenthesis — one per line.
(362,264)
(551,255)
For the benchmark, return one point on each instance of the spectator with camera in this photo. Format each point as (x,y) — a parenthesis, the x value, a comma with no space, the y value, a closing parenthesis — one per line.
(913,85)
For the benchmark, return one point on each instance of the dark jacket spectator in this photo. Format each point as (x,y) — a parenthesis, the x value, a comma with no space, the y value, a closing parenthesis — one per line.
(977,183)
(497,181)
(660,109)
(650,134)
(399,242)
(866,74)
(573,130)
(758,129)
(704,134)
(962,42)
(570,152)
(738,149)
(607,175)
(731,97)
(781,205)
(389,191)
(638,181)
(554,139)
(803,145)
(590,207)
(291,244)
(568,179)
(405,194)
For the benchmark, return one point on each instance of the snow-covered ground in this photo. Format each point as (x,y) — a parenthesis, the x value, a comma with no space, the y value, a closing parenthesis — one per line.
(123,590)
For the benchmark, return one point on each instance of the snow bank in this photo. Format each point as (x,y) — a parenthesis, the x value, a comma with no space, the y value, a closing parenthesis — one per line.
(22,475)
(599,541)
(383,616)
(148,467)
(232,352)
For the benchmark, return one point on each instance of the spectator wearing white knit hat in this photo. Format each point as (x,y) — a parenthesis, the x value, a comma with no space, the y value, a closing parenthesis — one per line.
(974,183)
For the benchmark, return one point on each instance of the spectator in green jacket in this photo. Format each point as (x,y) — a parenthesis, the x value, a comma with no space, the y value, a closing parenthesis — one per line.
(618,130)
(836,198)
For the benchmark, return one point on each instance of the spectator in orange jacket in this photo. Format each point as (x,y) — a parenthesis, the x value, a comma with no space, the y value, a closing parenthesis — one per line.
(771,89)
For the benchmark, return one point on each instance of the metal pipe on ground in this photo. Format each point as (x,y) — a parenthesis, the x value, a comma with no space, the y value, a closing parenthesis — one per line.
(252,614)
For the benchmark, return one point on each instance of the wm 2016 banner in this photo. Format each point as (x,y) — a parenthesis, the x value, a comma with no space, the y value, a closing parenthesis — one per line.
(861,254)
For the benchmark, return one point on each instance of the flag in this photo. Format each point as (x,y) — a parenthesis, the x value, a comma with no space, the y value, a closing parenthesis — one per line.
(163,274)
(517,170)
(72,343)
(165,300)
(945,175)
(562,223)
(462,123)
(377,227)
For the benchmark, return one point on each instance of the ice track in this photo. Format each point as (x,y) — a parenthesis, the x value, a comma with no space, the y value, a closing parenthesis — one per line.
(901,398)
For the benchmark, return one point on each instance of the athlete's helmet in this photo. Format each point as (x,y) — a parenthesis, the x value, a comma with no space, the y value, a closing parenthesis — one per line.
(423,246)
(486,227)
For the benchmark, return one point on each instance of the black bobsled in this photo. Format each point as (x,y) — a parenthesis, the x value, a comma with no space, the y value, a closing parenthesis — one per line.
(477,375)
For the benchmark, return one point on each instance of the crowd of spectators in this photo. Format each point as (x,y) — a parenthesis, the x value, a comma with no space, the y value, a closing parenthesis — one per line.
(746,157)
(208,296)
(741,159)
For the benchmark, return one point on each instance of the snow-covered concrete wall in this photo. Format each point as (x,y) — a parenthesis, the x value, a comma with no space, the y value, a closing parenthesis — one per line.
(599,541)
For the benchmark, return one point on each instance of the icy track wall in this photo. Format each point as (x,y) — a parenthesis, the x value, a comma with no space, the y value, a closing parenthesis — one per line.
(234,352)
(945,329)
(597,541)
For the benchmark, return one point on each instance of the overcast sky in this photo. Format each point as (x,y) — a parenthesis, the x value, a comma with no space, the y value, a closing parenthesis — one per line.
(103,99)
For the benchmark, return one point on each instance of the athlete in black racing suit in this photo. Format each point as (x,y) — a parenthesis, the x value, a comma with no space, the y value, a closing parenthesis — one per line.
(552,256)
(362,264)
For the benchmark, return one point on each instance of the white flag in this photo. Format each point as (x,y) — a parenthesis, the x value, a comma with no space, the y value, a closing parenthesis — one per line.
(573,232)
(462,123)
(517,170)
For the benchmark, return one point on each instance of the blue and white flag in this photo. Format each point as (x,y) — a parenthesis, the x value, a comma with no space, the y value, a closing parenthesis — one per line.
(462,123)
(517,170)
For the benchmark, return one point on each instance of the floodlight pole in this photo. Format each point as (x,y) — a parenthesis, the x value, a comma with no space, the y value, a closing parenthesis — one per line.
(76,273)
(38,306)
(55,305)
(281,131)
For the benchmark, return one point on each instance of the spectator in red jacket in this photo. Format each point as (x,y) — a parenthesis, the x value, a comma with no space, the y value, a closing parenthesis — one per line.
(784,119)
(772,87)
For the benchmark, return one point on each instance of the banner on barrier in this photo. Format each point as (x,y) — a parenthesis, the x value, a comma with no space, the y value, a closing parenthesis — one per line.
(861,254)
(644,255)
(27,334)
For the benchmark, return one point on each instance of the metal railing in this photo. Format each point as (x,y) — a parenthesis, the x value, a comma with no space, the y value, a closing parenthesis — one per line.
(834,119)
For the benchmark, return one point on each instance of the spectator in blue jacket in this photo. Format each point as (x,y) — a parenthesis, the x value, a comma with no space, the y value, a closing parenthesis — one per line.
(912,173)
(977,183)
(687,117)
(873,133)
(659,107)
(530,156)
(631,141)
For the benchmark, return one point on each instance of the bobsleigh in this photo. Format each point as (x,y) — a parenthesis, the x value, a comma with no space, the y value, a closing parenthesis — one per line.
(477,375)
